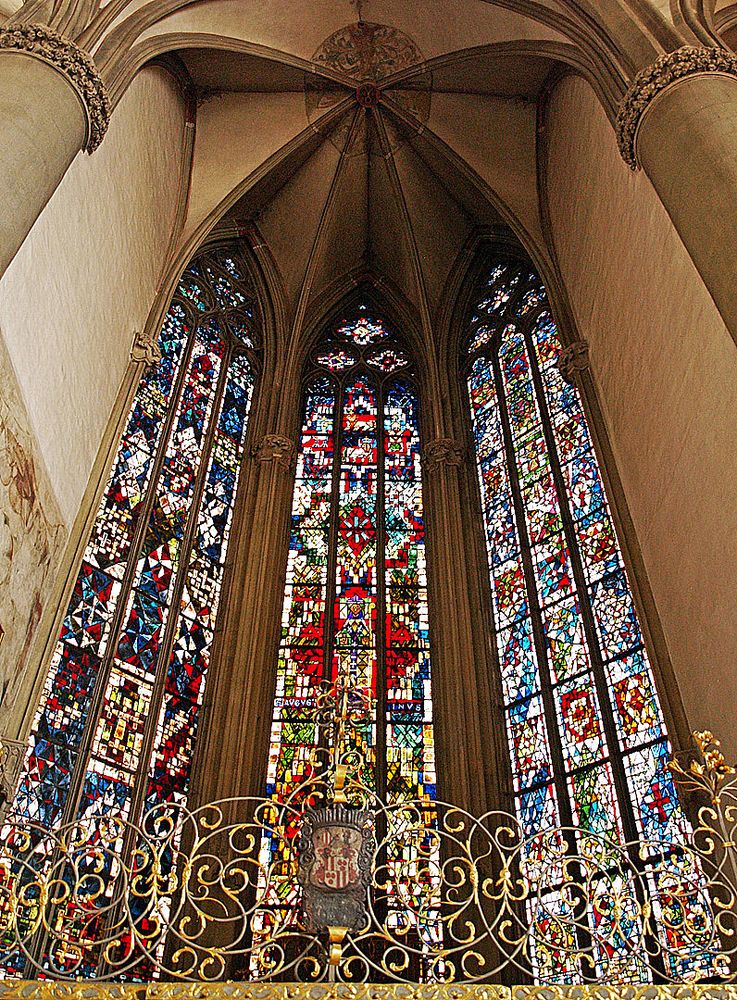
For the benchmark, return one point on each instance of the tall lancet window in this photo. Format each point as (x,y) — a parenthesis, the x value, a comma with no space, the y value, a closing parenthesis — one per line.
(355,614)
(585,730)
(116,728)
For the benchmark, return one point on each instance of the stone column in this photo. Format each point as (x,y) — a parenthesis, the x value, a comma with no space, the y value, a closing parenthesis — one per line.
(52,105)
(465,755)
(234,760)
(678,121)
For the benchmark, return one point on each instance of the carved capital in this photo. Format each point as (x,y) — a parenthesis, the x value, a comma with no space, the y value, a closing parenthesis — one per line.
(145,350)
(574,359)
(77,66)
(653,80)
(442,452)
(275,448)
(12,753)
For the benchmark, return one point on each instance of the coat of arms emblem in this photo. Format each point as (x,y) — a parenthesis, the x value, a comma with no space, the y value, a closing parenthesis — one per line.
(336,847)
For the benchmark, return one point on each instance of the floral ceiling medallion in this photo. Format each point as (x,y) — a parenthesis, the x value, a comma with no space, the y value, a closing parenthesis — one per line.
(381,67)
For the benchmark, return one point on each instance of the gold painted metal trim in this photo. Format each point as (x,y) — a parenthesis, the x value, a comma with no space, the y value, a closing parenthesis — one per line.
(36,990)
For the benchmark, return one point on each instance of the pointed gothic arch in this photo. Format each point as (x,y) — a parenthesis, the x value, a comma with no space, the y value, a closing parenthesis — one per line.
(357,497)
(116,728)
(587,741)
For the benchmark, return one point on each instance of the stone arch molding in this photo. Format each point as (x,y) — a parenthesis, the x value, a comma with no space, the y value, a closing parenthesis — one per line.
(282,160)
(614,39)
(99,48)
(605,67)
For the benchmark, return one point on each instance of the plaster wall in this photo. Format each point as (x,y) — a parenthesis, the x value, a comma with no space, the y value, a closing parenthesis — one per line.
(32,536)
(85,279)
(666,374)
(236,136)
(472,126)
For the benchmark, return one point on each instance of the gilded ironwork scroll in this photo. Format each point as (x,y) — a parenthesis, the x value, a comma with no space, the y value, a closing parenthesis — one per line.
(196,900)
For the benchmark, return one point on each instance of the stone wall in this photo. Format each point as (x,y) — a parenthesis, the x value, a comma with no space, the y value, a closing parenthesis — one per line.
(84,280)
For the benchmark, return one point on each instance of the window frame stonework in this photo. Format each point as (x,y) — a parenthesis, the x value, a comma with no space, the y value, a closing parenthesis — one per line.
(144,359)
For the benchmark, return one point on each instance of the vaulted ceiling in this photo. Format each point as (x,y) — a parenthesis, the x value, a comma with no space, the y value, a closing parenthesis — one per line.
(372,137)
(399,159)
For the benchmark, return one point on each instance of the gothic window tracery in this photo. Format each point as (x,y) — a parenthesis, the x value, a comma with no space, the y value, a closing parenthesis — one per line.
(117,724)
(587,740)
(355,615)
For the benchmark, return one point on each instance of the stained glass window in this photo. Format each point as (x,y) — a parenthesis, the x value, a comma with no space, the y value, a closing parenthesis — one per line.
(336,359)
(355,611)
(585,730)
(387,359)
(117,724)
(363,330)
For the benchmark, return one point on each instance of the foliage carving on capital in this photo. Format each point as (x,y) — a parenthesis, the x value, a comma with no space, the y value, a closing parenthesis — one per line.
(275,448)
(654,79)
(442,452)
(77,66)
(573,359)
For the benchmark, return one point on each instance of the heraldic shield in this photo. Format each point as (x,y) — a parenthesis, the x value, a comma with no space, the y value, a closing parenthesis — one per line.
(336,848)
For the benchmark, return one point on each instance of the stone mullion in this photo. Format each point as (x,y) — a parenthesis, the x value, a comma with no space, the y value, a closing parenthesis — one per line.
(140,351)
(138,811)
(331,576)
(232,751)
(381,766)
(169,632)
(666,685)
(130,574)
(239,716)
(572,361)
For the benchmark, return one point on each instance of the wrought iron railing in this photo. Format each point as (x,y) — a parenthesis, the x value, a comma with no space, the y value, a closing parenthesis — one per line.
(336,884)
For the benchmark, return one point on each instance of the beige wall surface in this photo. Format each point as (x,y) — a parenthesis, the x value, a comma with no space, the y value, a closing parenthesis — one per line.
(666,373)
(497,138)
(236,134)
(86,276)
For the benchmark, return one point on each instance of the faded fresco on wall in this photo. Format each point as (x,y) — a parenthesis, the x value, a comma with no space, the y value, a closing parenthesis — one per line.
(32,536)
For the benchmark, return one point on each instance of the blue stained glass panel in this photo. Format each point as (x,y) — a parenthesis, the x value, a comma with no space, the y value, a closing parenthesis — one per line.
(567,629)
(171,473)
